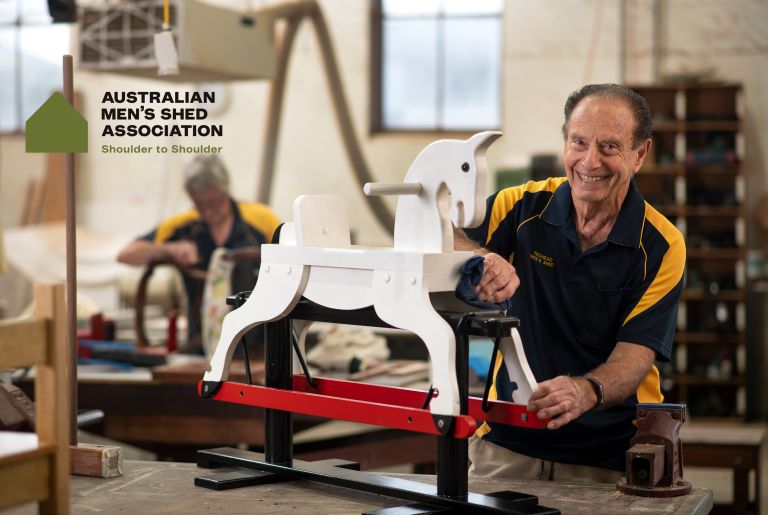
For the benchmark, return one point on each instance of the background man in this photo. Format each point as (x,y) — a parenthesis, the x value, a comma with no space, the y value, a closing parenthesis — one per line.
(189,238)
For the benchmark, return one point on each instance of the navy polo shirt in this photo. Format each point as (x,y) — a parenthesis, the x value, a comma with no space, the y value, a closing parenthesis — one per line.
(253,225)
(575,306)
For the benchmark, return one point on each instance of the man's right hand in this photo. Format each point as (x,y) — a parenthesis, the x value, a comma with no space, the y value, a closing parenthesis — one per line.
(183,253)
(499,280)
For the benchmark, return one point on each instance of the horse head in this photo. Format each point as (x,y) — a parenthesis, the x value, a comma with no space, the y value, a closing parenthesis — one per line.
(466,179)
(460,166)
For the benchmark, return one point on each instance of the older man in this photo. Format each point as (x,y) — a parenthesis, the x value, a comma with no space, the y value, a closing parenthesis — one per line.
(189,238)
(596,274)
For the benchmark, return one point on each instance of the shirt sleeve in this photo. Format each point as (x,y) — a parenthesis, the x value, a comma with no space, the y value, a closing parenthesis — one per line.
(261,218)
(150,236)
(652,314)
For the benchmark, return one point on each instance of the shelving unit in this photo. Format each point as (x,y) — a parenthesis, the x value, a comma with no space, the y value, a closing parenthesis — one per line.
(694,177)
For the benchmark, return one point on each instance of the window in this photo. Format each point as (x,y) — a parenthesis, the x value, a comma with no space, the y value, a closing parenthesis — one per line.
(31,50)
(437,65)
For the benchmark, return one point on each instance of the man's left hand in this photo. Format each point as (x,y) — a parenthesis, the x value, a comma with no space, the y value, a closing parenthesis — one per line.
(499,281)
(563,398)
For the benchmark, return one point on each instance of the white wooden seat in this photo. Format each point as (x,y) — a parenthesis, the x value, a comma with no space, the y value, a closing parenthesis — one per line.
(38,471)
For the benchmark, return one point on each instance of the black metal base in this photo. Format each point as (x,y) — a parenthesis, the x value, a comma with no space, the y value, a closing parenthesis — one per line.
(249,477)
(415,509)
(431,509)
(238,479)
(326,472)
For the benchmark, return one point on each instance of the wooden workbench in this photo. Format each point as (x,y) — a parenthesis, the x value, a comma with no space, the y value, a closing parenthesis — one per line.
(165,487)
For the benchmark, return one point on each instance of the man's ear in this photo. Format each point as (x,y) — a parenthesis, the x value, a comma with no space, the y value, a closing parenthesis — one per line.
(642,153)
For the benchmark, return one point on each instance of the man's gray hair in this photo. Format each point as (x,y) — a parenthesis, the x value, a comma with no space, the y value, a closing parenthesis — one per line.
(636,103)
(205,171)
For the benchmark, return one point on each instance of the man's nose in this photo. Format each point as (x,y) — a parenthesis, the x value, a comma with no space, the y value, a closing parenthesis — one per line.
(592,158)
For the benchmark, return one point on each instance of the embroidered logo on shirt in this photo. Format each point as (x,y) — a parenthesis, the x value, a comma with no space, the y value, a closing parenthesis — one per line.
(542,259)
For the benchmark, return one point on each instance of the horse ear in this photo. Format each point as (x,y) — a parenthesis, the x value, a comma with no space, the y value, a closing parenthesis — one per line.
(482,140)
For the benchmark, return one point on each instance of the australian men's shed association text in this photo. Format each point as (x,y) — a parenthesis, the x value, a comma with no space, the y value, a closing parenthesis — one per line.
(148,113)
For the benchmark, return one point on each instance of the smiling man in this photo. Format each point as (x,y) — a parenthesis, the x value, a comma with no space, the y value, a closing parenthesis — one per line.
(595,274)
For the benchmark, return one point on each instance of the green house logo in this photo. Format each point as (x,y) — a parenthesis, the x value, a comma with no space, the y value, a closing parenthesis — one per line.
(57,127)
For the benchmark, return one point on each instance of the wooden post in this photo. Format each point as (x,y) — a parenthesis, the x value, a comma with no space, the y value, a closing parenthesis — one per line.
(86,460)
(52,407)
(71,221)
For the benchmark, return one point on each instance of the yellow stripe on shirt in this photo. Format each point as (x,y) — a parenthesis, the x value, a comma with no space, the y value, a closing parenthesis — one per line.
(170,225)
(493,395)
(508,197)
(650,389)
(261,217)
(672,264)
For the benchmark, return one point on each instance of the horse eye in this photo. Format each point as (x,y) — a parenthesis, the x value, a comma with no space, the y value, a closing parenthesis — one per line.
(465,167)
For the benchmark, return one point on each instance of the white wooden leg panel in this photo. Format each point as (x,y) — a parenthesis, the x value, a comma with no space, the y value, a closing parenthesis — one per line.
(277,290)
(518,368)
(402,300)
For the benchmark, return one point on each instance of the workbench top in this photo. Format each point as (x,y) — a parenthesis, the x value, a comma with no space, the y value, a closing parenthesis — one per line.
(165,487)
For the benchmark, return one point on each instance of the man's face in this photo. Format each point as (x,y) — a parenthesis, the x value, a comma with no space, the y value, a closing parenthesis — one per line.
(212,204)
(599,159)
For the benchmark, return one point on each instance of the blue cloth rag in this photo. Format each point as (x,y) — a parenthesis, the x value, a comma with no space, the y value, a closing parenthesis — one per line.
(471,272)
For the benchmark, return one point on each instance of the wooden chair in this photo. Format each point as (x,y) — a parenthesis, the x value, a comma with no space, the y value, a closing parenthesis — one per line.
(40,474)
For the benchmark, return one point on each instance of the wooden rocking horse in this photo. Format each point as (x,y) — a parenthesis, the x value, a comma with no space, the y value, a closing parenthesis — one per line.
(314,259)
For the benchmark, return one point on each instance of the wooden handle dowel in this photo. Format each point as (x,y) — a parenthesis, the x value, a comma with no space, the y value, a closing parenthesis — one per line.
(393,188)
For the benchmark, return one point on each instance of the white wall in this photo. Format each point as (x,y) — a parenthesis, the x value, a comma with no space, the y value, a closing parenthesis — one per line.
(550,48)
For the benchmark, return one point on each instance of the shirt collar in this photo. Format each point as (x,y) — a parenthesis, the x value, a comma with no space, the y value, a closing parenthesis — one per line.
(628,227)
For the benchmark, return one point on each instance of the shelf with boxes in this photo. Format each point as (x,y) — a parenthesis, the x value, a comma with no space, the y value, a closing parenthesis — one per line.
(694,177)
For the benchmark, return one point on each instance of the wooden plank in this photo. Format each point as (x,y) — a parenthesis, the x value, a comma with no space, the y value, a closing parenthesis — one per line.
(19,457)
(52,394)
(96,460)
(3,262)
(182,429)
(191,372)
(18,340)
(24,478)
(376,450)
(26,205)
(53,207)
(36,204)
(723,434)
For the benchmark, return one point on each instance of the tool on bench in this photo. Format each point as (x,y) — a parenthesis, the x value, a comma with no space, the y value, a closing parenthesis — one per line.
(655,458)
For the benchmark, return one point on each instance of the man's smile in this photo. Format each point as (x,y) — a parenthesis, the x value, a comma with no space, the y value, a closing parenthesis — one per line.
(589,178)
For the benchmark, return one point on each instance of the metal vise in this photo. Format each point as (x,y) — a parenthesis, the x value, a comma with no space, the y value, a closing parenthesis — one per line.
(655,458)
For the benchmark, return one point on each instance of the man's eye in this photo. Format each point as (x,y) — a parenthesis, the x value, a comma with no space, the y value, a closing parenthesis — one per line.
(578,141)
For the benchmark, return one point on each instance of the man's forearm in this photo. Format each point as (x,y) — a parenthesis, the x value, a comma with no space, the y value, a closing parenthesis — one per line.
(625,370)
(140,252)
(462,242)
(567,398)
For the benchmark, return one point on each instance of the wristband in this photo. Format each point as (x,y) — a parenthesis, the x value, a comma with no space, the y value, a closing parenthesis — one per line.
(597,386)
